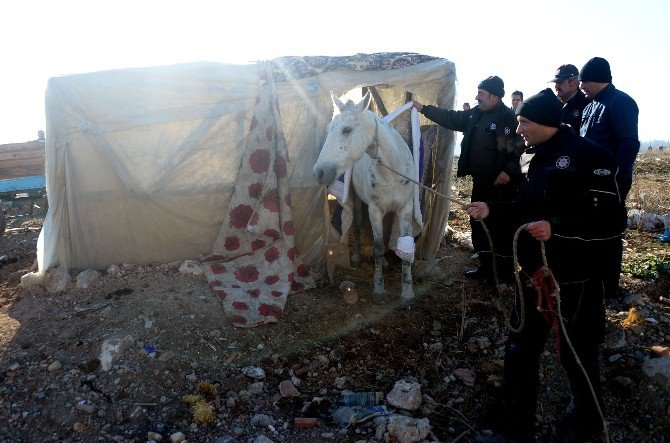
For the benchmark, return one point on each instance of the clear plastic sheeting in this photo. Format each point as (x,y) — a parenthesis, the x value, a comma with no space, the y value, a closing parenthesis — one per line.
(140,163)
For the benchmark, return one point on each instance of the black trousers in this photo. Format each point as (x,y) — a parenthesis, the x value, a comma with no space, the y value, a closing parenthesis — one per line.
(583,314)
(500,228)
(610,255)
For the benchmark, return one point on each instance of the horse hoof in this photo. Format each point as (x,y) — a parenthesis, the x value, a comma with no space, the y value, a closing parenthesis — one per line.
(380,299)
(407,296)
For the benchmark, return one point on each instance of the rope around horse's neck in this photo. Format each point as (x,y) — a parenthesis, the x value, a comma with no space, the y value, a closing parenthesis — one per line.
(375,143)
(461,203)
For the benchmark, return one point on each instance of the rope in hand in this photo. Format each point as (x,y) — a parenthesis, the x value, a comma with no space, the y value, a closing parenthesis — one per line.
(545,269)
(546,273)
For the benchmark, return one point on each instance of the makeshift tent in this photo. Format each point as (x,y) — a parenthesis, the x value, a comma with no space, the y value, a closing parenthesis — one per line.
(141,163)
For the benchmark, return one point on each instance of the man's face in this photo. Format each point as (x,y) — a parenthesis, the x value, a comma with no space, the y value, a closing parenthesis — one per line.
(516,99)
(531,132)
(485,100)
(565,89)
(591,89)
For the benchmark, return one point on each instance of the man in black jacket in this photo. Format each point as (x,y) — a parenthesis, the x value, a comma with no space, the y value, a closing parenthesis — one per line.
(574,101)
(610,120)
(490,153)
(570,201)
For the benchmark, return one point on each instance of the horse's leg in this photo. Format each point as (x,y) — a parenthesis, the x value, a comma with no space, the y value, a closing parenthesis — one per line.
(358,221)
(405,229)
(376,220)
(387,222)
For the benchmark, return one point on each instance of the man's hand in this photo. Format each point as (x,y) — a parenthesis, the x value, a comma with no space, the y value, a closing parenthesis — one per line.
(479,210)
(418,106)
(540,230)
(502,179)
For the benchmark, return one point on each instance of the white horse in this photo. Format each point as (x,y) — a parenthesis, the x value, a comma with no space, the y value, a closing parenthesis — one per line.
(357,136)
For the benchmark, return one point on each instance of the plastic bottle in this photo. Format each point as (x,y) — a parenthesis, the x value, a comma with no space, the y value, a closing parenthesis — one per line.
(362,398)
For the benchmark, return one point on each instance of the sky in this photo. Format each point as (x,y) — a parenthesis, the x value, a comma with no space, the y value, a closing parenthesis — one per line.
(523,42)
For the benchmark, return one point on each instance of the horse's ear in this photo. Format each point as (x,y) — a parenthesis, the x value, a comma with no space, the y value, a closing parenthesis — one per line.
(363,104)
(336,101)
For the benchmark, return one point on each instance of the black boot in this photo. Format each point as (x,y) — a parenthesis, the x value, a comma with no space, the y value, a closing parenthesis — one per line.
(570,429)
(478,273)
(485,269)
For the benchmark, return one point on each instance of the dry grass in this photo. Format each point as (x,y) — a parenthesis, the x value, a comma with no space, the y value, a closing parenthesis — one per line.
(651,187)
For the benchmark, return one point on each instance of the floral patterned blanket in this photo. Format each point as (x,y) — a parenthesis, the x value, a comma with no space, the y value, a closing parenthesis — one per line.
(287,68)
(254,263)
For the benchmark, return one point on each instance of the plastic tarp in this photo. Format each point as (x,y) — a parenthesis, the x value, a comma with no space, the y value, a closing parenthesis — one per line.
(141,163)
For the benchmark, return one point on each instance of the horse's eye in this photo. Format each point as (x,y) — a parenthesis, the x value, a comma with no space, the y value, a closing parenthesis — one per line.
(346,130)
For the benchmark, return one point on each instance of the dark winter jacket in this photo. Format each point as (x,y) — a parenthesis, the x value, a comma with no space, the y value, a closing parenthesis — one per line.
(611,121)
(490,144)
(571,183)
(572,110)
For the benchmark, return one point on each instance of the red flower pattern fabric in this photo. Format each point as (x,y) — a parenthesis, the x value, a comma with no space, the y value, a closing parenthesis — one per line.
(254,263)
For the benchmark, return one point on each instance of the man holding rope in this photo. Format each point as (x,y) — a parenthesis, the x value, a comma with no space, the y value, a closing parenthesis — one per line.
(490,153)
(569,201)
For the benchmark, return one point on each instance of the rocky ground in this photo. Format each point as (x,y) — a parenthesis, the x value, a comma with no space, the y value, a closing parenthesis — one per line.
(285,382)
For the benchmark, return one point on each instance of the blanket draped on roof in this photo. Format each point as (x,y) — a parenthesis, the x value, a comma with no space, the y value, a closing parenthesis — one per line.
(302,67)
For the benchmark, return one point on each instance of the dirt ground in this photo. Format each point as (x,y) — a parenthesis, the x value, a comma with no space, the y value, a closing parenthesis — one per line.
(52,387)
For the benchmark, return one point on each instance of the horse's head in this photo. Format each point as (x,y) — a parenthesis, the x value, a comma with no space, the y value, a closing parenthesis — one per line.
(349,134)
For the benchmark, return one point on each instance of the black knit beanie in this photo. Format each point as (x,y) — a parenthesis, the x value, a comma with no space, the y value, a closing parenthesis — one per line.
(596,70)
(542,108)
(494,85)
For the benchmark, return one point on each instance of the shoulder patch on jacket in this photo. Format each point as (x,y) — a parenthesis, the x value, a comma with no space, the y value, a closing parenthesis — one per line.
(563,162)
(602,172)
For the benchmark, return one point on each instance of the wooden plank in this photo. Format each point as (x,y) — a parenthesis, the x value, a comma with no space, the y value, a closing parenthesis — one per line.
(10,146)
(24,162)
(26,229)
(21,159)
(11,169)
(378,101)
(22,172)
(20,155)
